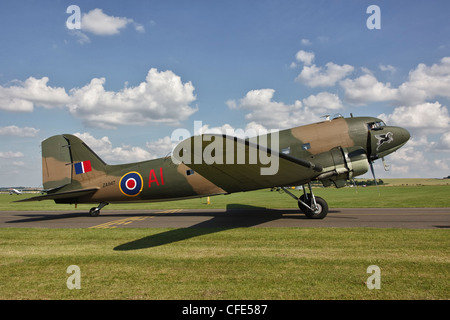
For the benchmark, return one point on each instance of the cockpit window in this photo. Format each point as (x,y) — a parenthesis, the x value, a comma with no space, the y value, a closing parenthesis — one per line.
(376,125)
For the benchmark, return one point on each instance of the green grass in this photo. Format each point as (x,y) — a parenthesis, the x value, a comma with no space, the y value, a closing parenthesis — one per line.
(243,263)
(382,197)
(416,181)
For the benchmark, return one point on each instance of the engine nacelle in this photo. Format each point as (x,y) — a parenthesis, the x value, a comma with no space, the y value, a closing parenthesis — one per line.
(341,164)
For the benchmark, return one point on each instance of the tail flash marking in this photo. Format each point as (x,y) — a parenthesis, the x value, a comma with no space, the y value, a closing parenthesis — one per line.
(83,167)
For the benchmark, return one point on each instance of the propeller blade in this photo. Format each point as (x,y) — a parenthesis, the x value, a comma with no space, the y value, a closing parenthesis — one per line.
(386,166)
(354,185)
(373,174)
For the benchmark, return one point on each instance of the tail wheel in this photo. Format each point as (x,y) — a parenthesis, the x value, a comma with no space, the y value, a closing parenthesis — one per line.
(320,209)
(94,212)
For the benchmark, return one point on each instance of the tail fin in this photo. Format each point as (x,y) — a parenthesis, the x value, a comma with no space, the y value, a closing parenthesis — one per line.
(66,159)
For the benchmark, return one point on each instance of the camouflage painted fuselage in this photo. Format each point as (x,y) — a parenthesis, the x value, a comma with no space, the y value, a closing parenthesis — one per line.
(331,151)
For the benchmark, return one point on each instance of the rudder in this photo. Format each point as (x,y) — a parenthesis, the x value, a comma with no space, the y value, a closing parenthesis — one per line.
(56,160)
(66,159)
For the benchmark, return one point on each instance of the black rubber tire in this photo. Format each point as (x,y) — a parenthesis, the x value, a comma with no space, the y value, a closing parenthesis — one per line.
(322,208)
(301,206)
(94,212)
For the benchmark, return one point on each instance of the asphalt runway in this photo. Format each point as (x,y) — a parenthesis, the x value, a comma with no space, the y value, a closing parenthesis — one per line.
(410,218)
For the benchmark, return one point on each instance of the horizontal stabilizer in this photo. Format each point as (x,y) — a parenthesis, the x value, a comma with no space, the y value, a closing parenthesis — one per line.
(62,195)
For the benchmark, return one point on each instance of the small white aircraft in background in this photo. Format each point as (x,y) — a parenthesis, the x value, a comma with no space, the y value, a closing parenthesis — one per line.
(14,191)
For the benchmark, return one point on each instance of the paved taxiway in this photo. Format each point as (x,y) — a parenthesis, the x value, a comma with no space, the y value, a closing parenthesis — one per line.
(413,218)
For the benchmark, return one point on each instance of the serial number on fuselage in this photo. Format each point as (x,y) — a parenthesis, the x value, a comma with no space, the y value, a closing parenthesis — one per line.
(109,184)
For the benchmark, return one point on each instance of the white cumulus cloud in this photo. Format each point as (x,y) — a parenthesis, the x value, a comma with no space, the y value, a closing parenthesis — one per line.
(161,98)
(443,145)
(388,68)
(266,112)
(423,84)
(18,132)
(407,160)
(314,76)
(23,96)
(11,155)
(323,102)
(105,150)
(425,118)
(306,57)
(426,82)
(99,23)
(367,89)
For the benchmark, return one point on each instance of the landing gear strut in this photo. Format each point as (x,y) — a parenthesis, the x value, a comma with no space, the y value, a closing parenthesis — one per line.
(95,211)
(313,207)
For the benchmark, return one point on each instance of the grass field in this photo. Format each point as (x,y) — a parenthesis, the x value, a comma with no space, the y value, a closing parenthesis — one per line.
(244,263)
(369,197)
(241,263)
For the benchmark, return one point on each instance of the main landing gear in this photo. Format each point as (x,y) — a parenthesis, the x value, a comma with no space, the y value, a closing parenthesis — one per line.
(95,211)
(313,207)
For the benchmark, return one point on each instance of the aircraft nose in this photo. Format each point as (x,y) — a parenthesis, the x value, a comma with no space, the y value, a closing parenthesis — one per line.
(388,140)
(402,135)
(399,137)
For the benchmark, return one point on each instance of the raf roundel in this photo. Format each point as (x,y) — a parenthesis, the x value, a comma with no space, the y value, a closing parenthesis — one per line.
(131,184)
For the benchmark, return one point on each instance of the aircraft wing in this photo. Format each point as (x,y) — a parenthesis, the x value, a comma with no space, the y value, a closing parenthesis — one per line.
(62,195)
(236,165)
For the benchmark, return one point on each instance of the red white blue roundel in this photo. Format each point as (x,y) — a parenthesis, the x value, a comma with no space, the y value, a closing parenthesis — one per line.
(131,184)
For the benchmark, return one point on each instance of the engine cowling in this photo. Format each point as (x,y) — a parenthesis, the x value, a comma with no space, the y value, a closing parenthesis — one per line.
(341,164)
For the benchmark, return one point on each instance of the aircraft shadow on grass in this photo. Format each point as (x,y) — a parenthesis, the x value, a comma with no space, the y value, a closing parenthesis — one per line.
(233,217)
(236,216)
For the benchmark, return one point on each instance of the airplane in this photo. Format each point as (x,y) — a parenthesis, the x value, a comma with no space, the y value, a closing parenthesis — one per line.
(14,191)
(331,151)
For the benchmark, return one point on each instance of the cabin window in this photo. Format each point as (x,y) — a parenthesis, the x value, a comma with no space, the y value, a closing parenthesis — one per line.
(190,172)
(376,125)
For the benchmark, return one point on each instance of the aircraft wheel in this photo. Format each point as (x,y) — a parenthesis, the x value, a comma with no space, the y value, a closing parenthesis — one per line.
(94,212)
(319,212)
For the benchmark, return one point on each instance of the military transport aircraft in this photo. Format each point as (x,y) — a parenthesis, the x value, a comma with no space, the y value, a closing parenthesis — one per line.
(332,152)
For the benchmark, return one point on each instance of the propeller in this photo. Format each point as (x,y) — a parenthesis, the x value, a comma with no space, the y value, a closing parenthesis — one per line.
(355,185)
(373,174)
(386,166)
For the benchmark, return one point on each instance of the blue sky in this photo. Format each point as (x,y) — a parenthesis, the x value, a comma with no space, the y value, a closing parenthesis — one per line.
(135,71)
